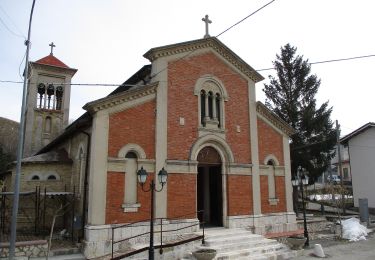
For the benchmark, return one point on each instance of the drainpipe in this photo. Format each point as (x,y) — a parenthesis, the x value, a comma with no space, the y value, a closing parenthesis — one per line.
(84,202)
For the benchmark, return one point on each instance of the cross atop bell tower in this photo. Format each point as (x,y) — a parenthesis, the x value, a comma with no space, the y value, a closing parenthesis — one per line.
(52,46)
(206,21)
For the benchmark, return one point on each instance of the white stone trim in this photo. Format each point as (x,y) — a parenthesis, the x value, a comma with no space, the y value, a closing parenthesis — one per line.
(98,168)
(239,169)
(212,44)
(181,166)
(131,207)
(161,130)
(214,141)
(216,81)
(254,148)
(272,158)
(273,201)
(288,175)
(130,147)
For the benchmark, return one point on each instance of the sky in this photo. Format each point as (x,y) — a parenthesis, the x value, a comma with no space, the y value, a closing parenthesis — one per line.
(106,40)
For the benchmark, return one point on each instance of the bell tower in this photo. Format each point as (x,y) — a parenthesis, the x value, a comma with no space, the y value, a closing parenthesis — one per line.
(47,103)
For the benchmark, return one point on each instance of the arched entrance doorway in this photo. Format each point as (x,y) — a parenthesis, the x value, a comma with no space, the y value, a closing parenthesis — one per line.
(209,187)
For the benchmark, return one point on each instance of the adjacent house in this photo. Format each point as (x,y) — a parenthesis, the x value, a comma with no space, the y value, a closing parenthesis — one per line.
(361,147)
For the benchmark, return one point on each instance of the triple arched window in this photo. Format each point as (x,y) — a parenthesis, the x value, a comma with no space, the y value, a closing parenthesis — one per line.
(212,96)
(49,96)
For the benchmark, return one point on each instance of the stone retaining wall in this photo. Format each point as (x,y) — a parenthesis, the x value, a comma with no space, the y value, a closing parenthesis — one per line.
(37,248)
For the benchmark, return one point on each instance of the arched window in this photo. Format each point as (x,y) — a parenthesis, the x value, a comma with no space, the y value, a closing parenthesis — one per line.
(35,178)
(51,177)
(203,106)
(212,96)
(59,96)
(271,179)
(131,178)
(50,95)
(210,106)
(41,95)
(218,108)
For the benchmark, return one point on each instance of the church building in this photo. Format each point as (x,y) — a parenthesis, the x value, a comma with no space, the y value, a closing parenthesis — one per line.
(191,111)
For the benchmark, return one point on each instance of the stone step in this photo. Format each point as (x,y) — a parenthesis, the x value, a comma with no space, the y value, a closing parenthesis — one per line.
(237,245)
(251,252)
(243,244)
(232,239)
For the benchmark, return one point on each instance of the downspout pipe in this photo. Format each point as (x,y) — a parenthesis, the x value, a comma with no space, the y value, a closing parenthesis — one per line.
(85,185)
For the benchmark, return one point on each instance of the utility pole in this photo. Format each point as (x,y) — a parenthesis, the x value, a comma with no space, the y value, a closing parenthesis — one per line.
(13,227)
(340,166)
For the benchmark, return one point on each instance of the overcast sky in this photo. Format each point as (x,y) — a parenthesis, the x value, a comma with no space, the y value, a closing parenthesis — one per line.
(106,40)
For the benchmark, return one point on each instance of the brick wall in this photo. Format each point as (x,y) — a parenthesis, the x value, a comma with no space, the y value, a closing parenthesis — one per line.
(240,196)
(134,125)
(115,198)
(182,76)
(280,194)
(270,142)
(181,195)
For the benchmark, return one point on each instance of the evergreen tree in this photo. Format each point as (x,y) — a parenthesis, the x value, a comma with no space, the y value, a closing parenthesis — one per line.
(291,95)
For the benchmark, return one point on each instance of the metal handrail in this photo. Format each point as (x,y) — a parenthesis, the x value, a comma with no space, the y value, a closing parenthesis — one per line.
(161,231)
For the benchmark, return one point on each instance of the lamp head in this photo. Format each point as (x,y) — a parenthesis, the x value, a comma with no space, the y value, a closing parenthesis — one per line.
(162,176)
(142,176)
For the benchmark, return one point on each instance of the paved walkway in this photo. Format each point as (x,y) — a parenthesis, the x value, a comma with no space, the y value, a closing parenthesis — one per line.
(344,250)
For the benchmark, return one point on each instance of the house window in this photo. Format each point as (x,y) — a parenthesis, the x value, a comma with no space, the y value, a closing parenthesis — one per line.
(346,173)
(212,95)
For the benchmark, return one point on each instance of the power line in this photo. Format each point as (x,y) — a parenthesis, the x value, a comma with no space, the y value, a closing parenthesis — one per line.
(189,53)
(15,26)
(114,85)
(245,18)
(333,60)
(6,27)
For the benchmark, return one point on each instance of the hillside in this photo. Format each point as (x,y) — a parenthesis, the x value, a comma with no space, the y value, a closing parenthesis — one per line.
(9,136)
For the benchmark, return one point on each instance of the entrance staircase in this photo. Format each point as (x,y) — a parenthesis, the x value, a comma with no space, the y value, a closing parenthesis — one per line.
(243,244)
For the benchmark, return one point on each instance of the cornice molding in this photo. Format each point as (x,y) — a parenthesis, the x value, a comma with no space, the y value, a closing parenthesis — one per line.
(51,68)
(263,111)
(212,43)
(122,97)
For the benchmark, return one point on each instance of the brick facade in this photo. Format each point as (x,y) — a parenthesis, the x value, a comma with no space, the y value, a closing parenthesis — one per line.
(181,195)
(182,77)
(134,125)
(280,195)
(115,199)
(240,196)
(270,142)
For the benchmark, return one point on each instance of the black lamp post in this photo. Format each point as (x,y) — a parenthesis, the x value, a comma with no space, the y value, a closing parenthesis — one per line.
(162,178)
(302,180)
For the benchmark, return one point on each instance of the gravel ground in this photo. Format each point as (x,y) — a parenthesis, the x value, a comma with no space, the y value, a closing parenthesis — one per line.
(340,249)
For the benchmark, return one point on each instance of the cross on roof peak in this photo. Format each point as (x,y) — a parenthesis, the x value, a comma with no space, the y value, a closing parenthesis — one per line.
(52,46)
(206,21)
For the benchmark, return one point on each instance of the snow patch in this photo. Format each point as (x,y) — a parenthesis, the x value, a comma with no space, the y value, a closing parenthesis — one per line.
(353,230)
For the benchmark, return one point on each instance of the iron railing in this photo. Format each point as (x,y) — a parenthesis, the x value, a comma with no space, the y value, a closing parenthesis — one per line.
(158,222)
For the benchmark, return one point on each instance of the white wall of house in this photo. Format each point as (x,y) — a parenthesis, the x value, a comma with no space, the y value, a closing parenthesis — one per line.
(362,161)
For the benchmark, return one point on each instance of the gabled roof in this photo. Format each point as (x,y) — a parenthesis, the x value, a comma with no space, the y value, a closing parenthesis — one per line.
(58,156)
(52,61)
(264,111)
(211,42)
(360,130)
